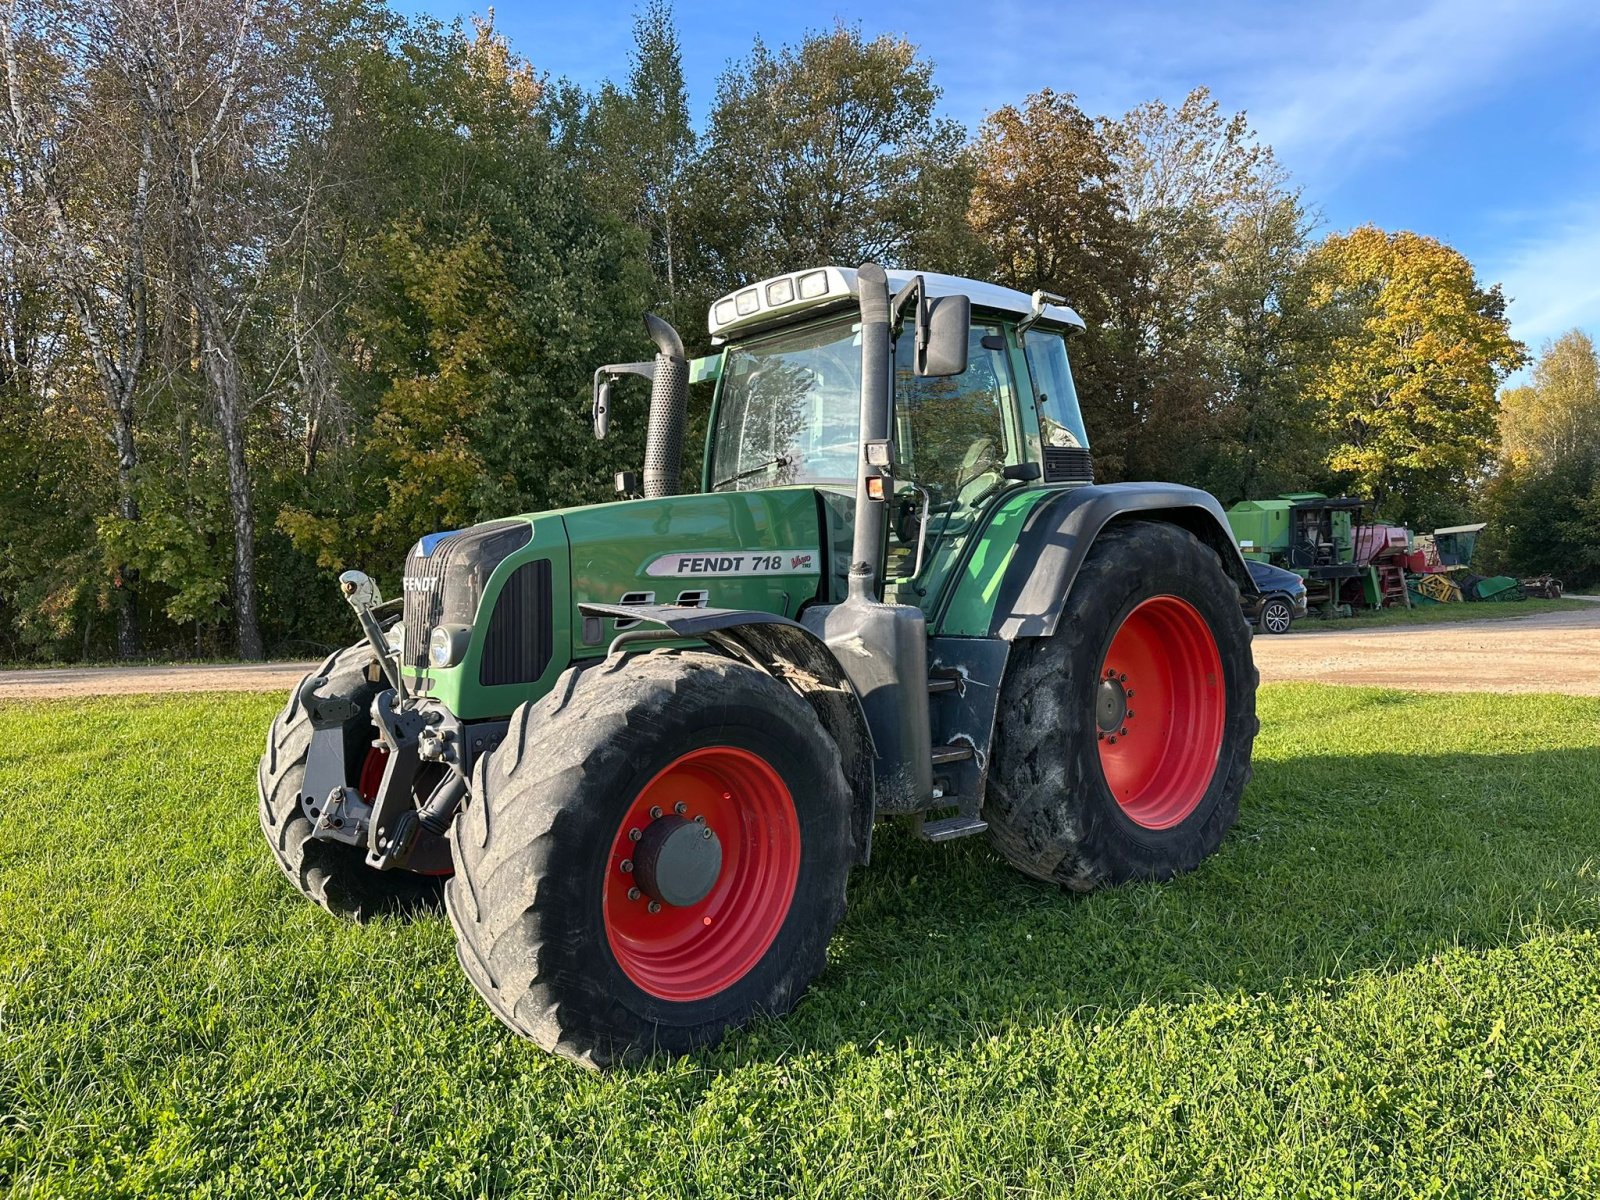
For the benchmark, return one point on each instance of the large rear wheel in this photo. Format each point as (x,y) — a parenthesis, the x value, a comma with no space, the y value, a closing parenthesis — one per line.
(1124,739)
(657,853)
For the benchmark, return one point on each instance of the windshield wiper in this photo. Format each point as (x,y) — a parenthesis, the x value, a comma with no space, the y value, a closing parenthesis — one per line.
(781,461)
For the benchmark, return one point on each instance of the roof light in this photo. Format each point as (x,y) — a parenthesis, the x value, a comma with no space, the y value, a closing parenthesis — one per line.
(780,291)
(725,311)
(813,285)
(747,302)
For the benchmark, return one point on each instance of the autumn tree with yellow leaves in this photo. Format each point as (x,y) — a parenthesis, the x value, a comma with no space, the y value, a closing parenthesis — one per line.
(1407,391)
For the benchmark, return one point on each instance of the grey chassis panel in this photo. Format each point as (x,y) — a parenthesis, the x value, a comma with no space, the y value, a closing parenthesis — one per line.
(788,651)
(1058,534)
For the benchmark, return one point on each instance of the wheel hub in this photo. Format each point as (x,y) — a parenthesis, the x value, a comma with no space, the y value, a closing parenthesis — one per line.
(677,861)
(1111,704)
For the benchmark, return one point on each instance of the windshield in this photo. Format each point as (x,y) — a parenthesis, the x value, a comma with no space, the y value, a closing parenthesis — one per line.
(789,410)
(1060,421)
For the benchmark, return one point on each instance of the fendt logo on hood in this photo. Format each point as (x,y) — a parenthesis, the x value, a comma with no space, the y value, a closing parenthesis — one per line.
(708,564)
(414,583)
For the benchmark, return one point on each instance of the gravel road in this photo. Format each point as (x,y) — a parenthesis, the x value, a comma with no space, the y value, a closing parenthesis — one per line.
(1547,652)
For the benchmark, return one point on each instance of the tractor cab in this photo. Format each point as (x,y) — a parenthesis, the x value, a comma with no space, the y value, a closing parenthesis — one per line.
(787,411)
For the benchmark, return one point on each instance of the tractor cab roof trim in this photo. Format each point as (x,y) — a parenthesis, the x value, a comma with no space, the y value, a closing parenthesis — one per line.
(783,297)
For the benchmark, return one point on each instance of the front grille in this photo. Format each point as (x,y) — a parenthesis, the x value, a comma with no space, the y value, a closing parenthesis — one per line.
(1068,464)
(445,576)
(517,645)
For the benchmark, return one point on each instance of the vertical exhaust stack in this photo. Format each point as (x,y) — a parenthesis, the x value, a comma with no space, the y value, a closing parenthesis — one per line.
(877,391)
(669,404)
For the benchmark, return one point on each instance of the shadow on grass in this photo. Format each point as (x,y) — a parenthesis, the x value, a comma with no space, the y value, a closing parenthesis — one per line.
(1338,865)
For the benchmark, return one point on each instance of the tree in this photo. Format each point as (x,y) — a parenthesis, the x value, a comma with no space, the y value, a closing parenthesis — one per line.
(817,154)
(1544,504)
(1047,206)
(77,208)
(641,145)
(1557,417)
(1407,391)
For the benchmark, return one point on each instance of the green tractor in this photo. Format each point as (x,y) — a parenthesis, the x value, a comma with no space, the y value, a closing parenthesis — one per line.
(638,746)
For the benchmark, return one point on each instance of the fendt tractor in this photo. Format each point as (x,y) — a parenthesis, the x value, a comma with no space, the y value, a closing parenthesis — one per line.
(639,745)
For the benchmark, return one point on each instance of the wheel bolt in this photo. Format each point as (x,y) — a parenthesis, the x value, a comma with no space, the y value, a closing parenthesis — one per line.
(655,906)
(655,812)
(706,834)
(1123,731)
(700,820)
(1101,734)
(1129,694)
(634,835)
(634,893)
(680,808)
(627,866)
(1130,714)
(1112,739)
(1122,679)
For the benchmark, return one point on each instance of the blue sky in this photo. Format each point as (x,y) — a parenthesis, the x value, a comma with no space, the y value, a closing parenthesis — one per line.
(1473,121)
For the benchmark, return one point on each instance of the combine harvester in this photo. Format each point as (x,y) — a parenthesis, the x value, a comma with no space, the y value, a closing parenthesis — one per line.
(1349,564)
(646,740)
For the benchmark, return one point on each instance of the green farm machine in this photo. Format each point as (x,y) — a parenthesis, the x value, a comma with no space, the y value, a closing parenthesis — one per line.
(638,746)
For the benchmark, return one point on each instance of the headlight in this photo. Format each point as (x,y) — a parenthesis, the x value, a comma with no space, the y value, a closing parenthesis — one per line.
(447,644)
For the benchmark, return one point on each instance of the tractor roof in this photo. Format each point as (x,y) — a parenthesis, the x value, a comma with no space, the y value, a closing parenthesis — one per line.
(784,297)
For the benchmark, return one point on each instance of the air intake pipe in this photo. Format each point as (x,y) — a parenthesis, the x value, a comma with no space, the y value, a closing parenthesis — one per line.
(669,404)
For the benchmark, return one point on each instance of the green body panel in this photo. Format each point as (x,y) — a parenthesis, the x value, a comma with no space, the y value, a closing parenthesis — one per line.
(458,687)
(722,543)
(975,588)
(751,550)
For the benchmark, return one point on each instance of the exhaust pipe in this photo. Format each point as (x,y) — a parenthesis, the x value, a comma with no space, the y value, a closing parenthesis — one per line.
(877,390)
(669,405)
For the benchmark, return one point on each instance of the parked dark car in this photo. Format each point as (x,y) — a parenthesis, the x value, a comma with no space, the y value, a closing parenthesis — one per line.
(1281,601)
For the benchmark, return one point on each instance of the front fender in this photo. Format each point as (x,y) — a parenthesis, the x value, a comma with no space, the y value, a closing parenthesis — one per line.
(791,653)
(1020,593)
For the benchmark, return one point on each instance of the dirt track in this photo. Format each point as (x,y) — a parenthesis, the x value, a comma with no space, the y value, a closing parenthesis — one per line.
(1549,652)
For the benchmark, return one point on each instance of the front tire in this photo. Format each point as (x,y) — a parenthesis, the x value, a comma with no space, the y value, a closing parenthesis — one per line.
(656,854)
(1124,739)
(332,874)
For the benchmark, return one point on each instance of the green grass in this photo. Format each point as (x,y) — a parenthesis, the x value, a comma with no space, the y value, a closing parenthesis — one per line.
(1437,614)
(1386,984)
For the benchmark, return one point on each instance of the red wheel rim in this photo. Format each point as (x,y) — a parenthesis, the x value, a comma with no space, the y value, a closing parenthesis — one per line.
(697,950)
(1158,755)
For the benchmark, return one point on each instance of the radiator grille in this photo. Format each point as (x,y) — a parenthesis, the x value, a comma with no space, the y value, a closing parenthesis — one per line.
(445,577)
(517,646)
(1068,464)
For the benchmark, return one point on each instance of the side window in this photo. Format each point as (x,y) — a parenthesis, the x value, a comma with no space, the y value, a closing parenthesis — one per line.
(1060,421)
(951,433)
(951,443)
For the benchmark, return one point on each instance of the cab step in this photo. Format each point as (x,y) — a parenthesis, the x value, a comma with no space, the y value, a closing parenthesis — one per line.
(949,828)
(954,752)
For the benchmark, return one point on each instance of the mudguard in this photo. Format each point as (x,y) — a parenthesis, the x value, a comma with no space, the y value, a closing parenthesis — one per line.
(789,652)
(1059,531)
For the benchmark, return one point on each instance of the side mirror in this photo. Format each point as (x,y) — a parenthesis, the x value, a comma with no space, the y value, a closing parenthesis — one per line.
(602,408)
(942,330)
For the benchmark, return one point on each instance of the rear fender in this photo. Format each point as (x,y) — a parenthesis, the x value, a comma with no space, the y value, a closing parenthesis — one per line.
(794,655)
(1059,532)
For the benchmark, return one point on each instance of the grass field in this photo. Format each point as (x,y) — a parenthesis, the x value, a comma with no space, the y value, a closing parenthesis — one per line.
(1438,614)
(1387,984)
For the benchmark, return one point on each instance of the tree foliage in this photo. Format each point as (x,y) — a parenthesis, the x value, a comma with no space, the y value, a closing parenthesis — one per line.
(286,283)
(1408,389)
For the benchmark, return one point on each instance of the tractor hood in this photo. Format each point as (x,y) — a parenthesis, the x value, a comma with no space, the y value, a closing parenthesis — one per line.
(507,592)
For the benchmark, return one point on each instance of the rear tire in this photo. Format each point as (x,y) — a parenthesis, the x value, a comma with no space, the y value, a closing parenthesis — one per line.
(333,874)
(553,914)
(1152,623)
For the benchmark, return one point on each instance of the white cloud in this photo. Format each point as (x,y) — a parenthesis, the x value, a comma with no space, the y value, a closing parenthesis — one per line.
(1553,279)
